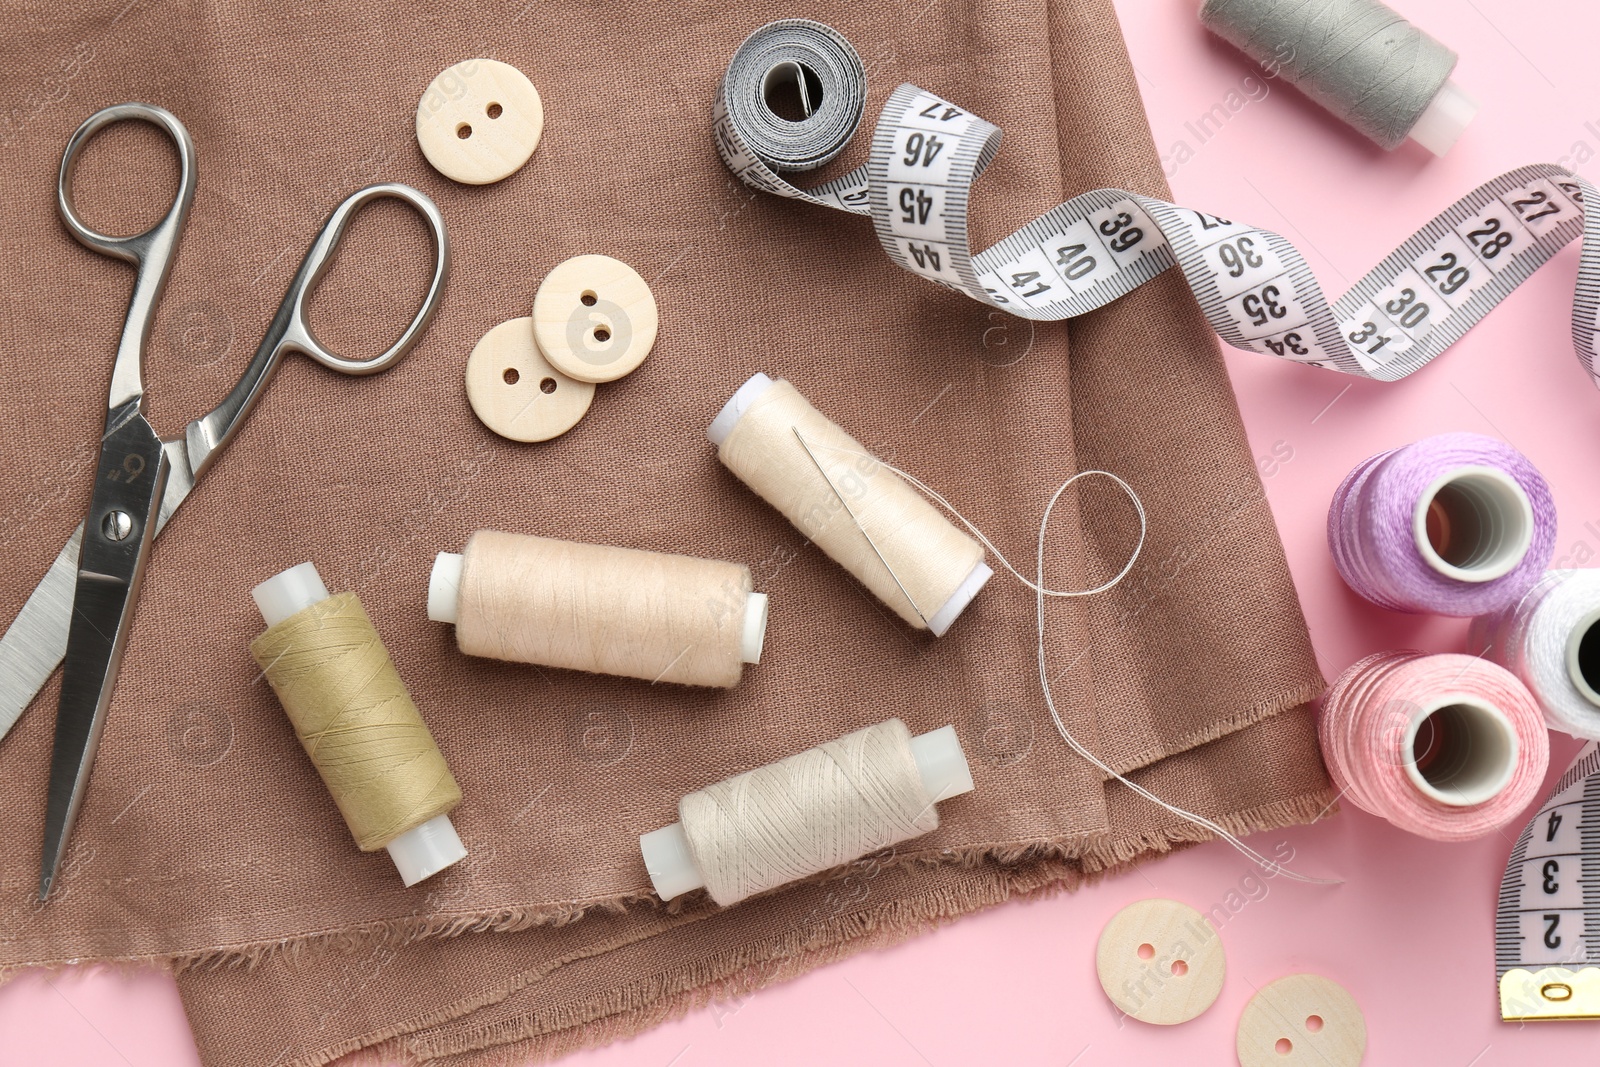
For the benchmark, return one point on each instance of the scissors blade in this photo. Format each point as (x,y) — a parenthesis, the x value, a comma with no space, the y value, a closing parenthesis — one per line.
(116,542)
(35,643)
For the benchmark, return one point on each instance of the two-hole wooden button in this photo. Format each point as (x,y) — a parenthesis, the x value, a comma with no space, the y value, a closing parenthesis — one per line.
(479,121)
(1160,961)
(1302,1020)
(595,318)
(516,393)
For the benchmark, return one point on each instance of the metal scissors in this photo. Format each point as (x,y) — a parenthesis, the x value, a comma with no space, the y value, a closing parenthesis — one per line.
(81,611)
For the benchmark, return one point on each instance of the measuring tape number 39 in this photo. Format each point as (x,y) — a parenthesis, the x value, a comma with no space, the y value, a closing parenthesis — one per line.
(1253,284)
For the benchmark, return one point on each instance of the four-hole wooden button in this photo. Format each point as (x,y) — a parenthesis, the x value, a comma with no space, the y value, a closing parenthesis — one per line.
(1160,961)
(516,393)
(1302,1020)
(479,121)
(594,318)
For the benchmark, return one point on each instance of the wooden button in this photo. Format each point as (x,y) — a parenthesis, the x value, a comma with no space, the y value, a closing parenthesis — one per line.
(1160,961)
(516,393)
(479,121)
(595,318)
(1305,1020)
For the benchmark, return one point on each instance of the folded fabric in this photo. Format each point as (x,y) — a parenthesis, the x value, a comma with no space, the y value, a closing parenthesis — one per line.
(206,835)
(512,997)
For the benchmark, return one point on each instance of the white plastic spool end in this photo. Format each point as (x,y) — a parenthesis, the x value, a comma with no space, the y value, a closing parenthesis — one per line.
(754,638)
(940,762)
(444,587)
(1486,523)
(737,405)
(426,850)
(668,860)
(1474,750)
(289,593)
(1445,119)
(942,619)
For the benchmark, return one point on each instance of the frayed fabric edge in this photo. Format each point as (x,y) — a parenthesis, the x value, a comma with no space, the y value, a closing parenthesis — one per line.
(732,976)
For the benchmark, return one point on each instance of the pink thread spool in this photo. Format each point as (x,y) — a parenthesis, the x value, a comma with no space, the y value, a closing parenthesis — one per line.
(1448,747)
(1458,524)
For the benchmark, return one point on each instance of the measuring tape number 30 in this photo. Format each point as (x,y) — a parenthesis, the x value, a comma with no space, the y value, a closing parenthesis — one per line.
(1253,284)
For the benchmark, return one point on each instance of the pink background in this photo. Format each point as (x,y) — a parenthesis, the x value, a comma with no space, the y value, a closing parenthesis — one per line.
(1409,933)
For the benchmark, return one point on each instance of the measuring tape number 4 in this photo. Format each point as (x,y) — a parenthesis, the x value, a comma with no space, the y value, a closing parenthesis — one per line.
(1547,927)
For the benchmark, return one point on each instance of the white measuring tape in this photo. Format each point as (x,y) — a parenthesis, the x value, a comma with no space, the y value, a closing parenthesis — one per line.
(1252,284)
(1547,927)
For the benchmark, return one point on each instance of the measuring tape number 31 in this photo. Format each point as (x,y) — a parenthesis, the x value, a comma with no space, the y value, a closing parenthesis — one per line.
(1253,284)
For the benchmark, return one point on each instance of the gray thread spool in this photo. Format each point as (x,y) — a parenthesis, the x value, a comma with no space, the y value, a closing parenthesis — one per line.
(1357,58)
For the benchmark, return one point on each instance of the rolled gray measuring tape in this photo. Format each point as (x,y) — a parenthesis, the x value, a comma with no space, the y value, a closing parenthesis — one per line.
(1252,284)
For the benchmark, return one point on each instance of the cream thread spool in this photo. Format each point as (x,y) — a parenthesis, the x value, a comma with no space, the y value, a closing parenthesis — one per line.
(806,814)
(865,517)
(352,714)
(600,608)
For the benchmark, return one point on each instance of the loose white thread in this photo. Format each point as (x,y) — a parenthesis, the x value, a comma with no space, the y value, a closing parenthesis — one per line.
(1041,591)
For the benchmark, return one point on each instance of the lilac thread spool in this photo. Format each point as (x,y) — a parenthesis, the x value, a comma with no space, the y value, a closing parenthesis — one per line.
(1457,524)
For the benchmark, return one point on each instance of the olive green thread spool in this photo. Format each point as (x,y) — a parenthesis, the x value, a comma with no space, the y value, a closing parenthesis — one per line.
(355,719)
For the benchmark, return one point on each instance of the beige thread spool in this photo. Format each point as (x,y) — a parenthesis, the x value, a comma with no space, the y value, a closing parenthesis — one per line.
(809,813)
(352,714)
(868,520)
(600,608)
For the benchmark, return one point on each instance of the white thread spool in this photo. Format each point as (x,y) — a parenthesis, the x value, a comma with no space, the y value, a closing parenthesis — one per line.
(422,851)
(1473,524)
(1551,640)
(910,556)
(815,828)
(600,608)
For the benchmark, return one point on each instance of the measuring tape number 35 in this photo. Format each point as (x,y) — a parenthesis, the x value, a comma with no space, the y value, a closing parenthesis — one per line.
(1253,284)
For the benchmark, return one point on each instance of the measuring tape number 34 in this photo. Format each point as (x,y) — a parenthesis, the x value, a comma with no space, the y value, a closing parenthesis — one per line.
(1253,284)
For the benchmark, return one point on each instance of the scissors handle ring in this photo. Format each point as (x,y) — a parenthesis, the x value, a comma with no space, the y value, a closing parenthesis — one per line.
(134,248)
(299,337)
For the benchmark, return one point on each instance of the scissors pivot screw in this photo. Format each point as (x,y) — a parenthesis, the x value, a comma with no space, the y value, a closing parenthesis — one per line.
(117,525)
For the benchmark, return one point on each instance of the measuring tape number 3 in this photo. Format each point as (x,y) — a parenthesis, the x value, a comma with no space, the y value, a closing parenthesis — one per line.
(1253,284)
(1547,927)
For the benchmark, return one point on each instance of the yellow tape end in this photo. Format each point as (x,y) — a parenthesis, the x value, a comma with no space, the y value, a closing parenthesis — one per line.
(1550,993)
